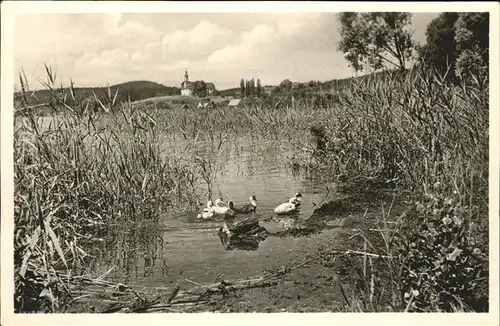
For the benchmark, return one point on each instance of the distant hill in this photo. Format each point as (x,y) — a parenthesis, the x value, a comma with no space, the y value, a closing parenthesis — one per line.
(337,85)
(139,90)
(316,87)
(230,92)
(133,90)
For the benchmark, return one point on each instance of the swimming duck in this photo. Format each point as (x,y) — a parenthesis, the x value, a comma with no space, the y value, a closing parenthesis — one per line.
(248,208)
(207,213)
(297,199)
(220,202)
(287,208)
(225,211)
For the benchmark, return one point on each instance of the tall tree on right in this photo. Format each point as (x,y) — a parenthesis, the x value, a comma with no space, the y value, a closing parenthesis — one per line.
(440,49)
(376,39)
(457,43)
(472,41)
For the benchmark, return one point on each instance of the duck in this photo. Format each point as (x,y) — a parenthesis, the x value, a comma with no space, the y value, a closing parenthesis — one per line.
(210,203)
(207,213)
(220,202)
(248,208)
(287,208)
(297,199)
(225,211)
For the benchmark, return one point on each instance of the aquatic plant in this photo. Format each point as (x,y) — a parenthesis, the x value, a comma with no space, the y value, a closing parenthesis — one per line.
(411,131)
(444,244)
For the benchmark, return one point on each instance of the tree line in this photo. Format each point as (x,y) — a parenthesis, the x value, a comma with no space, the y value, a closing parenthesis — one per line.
(456,43)
(249,88)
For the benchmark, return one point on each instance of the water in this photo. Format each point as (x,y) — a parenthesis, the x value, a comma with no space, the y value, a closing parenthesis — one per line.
(185,247)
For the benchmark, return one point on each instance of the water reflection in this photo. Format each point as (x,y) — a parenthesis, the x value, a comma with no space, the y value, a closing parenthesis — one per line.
(136,252)
(287,222)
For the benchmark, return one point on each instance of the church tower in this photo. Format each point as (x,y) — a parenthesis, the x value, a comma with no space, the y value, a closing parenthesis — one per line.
(186,85)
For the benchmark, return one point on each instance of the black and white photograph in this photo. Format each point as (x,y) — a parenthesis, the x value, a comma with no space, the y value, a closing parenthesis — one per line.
(281,160)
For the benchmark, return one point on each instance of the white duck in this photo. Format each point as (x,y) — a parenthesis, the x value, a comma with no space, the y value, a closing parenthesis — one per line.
(297,199)
(225,211)
(287,208)
(207,213)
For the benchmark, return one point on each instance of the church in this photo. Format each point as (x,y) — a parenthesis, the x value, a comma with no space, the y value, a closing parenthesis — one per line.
(187,87)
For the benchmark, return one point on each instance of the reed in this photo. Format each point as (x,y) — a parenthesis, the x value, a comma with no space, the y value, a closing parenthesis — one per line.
(411,131)
(76,172)
(263,119)
(416,133)
(432,258)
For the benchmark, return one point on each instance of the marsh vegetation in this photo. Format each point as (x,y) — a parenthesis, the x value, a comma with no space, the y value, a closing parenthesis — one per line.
(409,148)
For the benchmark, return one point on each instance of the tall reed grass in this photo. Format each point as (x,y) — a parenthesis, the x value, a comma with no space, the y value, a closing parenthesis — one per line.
(412,130)
(417,133)
(77,171)
(277,120)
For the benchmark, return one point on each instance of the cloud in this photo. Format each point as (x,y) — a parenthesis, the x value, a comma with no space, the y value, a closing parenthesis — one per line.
(288,32)
(248,47)
(220,47)
(199,41)
(259,34)
(115,57)
(140,56)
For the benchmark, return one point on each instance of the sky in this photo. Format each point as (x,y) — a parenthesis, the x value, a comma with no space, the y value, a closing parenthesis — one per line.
(94,49)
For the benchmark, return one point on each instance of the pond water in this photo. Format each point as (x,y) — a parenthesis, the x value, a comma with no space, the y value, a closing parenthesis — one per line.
(183,247)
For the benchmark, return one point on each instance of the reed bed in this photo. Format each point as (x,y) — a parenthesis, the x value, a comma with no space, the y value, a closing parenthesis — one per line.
(412,131)
(416,134)
(75,173)
(276,120)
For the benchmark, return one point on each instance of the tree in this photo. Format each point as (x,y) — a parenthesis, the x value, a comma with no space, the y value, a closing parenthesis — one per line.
(286,85)
(472,42)
(457,43)
(200,88)
(440,49)
(242,87)
(259,88)
(252,87)
(376,39)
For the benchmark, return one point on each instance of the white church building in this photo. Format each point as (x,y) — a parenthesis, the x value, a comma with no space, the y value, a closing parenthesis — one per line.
(187,87)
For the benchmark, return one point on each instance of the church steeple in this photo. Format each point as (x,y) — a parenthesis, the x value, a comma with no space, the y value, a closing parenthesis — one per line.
(186,77)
